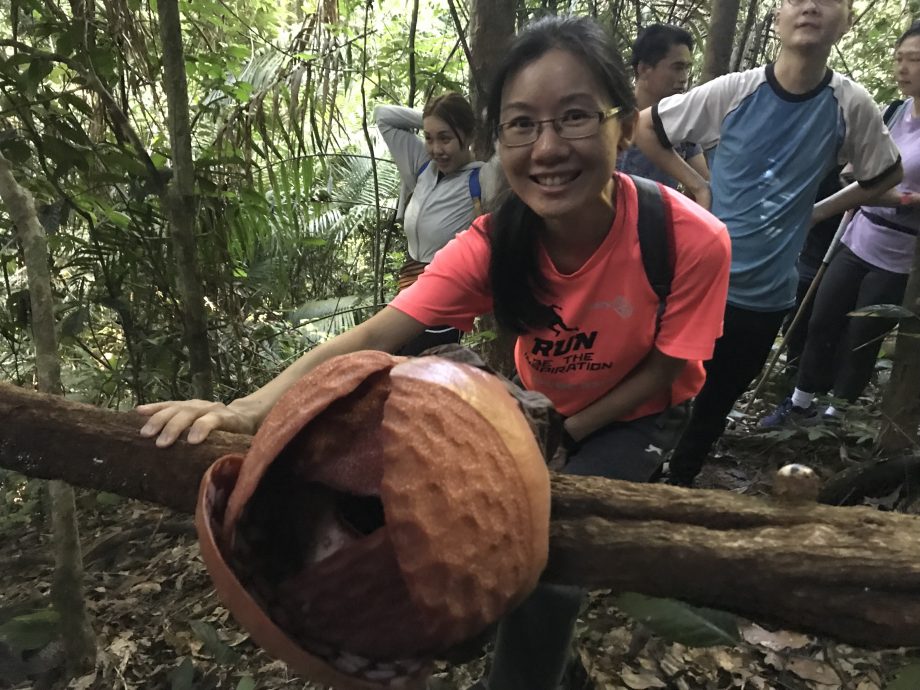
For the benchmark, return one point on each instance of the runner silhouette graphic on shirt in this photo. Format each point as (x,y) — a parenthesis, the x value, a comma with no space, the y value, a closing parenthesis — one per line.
(556,323)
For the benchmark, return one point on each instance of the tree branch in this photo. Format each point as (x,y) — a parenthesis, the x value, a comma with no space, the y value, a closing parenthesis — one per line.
(851,573)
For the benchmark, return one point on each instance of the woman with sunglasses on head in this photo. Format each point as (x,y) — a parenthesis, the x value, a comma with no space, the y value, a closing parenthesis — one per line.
(442,182)
(560,264)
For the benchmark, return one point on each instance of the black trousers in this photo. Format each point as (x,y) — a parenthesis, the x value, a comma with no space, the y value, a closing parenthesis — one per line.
(795,342)
(533,641)
(841,350)
(739,356)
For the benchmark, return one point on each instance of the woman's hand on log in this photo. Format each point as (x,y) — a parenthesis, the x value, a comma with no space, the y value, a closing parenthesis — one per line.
(168,420)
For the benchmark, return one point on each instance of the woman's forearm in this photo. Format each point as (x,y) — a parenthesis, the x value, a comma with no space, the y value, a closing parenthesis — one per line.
(854,195)
(652,377)
(397,117)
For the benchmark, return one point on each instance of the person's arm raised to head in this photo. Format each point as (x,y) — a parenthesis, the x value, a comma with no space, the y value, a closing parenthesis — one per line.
(398,126)
(388,330)
(661,153)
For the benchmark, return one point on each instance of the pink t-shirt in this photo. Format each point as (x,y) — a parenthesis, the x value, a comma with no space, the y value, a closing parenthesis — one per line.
(606,309)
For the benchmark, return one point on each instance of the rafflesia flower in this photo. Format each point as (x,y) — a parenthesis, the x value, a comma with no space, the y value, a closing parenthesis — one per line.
(387,510)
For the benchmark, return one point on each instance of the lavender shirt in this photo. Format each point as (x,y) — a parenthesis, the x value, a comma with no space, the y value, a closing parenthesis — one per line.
(880,245)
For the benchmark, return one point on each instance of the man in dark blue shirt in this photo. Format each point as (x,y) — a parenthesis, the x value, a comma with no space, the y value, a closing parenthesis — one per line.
(661,60)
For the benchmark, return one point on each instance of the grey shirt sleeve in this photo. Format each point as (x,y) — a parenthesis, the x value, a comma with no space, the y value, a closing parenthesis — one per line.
(867,145)
(698,114)
(398,126)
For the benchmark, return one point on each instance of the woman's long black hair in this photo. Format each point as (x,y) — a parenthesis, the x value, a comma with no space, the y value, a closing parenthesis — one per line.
(514,270)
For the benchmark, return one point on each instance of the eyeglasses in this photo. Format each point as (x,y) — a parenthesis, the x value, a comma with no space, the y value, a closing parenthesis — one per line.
(575,124)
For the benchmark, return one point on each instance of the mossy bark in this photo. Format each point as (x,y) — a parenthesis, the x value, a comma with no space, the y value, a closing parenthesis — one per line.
(180,200)
(67,585)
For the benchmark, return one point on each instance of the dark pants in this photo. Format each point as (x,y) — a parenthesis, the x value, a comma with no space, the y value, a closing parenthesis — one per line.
(739,356)
(533,642)
(795,342)
(849,283)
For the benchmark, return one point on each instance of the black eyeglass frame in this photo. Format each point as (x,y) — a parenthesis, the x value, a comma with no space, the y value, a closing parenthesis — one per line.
(602,116)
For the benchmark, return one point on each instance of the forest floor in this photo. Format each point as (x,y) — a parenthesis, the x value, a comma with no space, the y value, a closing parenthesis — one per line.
(159,624)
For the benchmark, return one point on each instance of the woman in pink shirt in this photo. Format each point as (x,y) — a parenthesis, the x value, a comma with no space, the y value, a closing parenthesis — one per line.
(560,264)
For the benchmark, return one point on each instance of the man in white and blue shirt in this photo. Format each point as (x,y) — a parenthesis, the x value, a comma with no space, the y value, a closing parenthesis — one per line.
(779,130)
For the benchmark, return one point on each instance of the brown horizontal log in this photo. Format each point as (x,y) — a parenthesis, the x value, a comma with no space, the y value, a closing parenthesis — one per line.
(850,573)
(49,437)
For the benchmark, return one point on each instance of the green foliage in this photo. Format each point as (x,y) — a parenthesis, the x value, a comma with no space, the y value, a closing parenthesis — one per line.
(679,622)
(866,52)
(20,500)
(291,208)
(183,676)
(906,678)
(31,630)
(212,644)
(246,683)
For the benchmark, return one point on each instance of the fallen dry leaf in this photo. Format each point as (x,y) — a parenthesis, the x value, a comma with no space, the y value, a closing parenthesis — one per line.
(147,588)
(776,641)
(643,680)
(807,669)
(83,682)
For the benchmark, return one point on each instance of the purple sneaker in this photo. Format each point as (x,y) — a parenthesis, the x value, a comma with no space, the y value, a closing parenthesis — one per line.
(787,414)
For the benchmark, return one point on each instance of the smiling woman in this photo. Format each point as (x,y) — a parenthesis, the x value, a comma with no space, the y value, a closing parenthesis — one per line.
(442,189)
(436,173)
(561,262)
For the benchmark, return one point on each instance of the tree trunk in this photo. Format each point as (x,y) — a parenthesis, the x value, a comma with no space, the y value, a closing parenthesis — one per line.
(740,49)
(901,399)
(413,26)
(179,200)
(67,585)
(755,54)
(491,32)
(722,24)
(851,573)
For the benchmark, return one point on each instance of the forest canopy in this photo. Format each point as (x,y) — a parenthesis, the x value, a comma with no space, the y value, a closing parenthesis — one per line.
(293,197)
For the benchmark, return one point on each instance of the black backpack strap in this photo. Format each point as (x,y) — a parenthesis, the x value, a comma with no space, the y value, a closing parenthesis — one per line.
(890,110)
(656,240)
